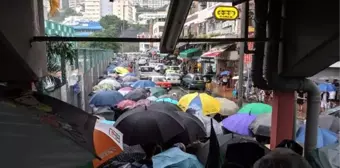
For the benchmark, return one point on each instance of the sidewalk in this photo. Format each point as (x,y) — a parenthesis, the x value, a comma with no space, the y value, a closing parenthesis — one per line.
(218,90)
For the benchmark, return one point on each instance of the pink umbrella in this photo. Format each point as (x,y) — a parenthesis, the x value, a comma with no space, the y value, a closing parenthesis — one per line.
(143,102)
(125,90)
(126,104)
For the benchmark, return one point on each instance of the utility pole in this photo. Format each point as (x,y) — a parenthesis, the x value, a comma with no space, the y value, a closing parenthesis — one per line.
(243,46)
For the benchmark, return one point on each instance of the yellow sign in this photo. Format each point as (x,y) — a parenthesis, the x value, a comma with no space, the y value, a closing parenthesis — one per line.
(226,13)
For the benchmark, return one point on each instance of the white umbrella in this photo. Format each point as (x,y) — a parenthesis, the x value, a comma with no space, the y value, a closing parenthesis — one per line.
(228,107)
(112,82)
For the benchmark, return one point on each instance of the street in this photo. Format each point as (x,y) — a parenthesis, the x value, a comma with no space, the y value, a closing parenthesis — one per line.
(179,90)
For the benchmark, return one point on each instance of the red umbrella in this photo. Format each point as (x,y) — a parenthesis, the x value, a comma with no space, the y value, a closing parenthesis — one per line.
(126,104)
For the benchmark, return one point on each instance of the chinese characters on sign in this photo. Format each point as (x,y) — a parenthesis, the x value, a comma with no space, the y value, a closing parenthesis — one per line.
(226,13)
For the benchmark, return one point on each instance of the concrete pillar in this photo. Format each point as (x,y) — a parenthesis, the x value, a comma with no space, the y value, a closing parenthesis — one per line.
(283,117)
(20,21)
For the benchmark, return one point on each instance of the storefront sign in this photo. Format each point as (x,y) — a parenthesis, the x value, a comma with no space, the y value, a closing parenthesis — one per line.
(226,13)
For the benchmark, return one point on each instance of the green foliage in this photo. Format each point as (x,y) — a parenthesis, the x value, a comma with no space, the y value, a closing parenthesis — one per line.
(56,50)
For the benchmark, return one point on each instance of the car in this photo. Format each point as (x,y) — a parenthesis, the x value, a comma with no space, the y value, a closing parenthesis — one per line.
(173,78)
(160,81)
(153,63)
(145,72)
(193,81)
(173,69)
(142,62)
(159,67)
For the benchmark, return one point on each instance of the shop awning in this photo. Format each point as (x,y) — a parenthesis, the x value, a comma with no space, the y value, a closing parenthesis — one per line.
(217,51)
(192,52)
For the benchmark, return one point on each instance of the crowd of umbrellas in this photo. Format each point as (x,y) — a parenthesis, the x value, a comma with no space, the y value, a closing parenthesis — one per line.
(159,129)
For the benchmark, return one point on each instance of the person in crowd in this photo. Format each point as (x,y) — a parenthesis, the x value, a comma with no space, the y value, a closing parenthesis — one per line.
(337,86)
(225,82)
(324,101)
(300,100)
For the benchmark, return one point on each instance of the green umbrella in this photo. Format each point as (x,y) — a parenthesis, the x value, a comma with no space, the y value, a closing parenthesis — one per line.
(255,109)
(157,91)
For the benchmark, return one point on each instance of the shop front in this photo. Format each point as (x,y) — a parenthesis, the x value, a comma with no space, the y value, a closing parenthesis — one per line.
(190,57)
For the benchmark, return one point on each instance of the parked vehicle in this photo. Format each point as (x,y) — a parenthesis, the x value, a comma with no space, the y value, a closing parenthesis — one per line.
(153,63)
(160,81)
(145,72)
(193,81)
(159,67)
(173,78)
(142,62)
(173,69)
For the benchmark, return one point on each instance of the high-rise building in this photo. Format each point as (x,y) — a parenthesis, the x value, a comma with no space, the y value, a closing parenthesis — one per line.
(151,3)
(92,10)
(125,10)
(106,7)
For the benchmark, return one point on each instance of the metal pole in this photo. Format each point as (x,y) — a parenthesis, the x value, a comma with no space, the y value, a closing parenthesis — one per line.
(123,27)
(244,34)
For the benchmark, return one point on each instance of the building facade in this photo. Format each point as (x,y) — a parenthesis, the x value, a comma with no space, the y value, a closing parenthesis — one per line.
(144,17)
(125,10)
(85,29)
(92,10)
(106,8)
(151,3)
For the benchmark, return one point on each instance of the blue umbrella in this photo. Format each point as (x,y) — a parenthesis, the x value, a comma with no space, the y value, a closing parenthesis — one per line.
(325,137)
(326,87)
(130,74)
(224,73)
(106,98)
(169,100)
(239,123)
(175,157)
(143,84)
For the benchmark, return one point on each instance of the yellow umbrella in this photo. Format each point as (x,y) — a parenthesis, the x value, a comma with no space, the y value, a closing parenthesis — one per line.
(122,70)
(207,104)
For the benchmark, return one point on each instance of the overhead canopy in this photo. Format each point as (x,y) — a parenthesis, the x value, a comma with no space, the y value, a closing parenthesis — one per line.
(217,50)
(192,52)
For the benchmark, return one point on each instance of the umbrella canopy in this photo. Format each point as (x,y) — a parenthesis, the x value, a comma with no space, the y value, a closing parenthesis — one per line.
(282,157)
(325,157)
(239,123)
(122,70)
(225,73)
(157,91)
(137,94)
(110,81)
(173,97)
(334,111)
(175,157)
(102,87)
(152,98)
(207,104)
(168,100)
(165,106)
(130,79)
(325,137)
(130,154)
(194,129)
(143,102)
(143,84)
(130,74)
(235,149)
(106,98)
(145,125)
(123,64)
(255,109)
(329,122)
(326,87)
(125,90)
(261,125)
(228,107)
(19,125)
(106,138)
(126,104)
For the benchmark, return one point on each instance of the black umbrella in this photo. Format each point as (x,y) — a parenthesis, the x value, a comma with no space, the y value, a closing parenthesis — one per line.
(137,94)
(235,149)
(166,106)
(148,125)
(194,129)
